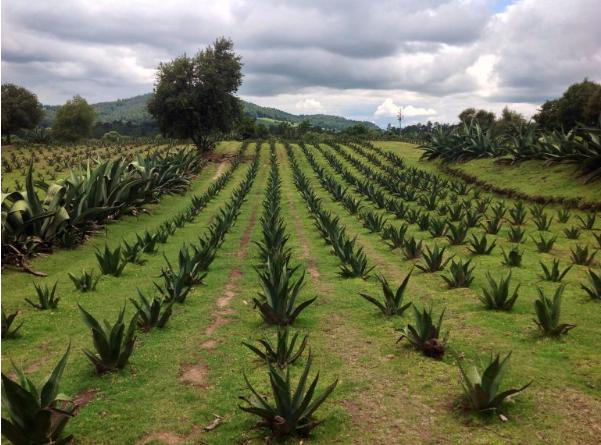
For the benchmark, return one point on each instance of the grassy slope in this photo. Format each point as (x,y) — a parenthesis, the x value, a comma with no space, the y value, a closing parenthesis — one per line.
(532,177)
(387,393)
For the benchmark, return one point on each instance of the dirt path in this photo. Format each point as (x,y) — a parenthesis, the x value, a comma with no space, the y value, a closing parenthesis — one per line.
(220,170)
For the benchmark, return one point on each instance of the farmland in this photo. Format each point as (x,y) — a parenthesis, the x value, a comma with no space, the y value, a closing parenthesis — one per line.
(348,213)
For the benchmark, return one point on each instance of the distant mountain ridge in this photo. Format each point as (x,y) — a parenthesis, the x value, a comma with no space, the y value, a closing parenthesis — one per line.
(133,109)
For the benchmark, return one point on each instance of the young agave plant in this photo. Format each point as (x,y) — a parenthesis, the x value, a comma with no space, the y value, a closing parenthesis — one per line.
(481,246)
(294,408)
(374,222)
(553,273)
(518,214)
(582,257)
(132,253)
(152,314)
(548,312)
(598,239)
(498,296)
(543,244)
(595,290)
(481,385)
(392,303)
(8,330)
(472,218)
(456,234)
(113,343)
(284,352)
(280,292)
(516,234)
(438,227)
(492,225)
(47,298)
(395,236)
(543,222)
(587,222)
(353,205)
(355,265)
(85,282)
(572,232)
(412,248)
(148,241)
(36,415)
(461,274)
(513,258)
(110,261)
(434,260)
(426,335)
(563,216)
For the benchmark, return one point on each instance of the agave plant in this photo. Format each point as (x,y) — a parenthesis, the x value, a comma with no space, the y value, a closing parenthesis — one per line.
(434,260)
(36,415)
(284,353)
(481,385)
(461,274)
(132,253)
(588,222)
(176,285)
(582,257)
(595,290)
(47,298)
(553,273)
(395,236)
(148,241)
(543,244)
(563,216)
(516,234)
(513,258)
(481,246)
(353,205)
(598,239)
(412,248)
(355,263)
(114,343)
(543,222)
(572,232)
(456,234)
(548,313)
(110,261)
(472,218)
(392,303)
(498,295)
(277,303)
(85,282)
(294,408)
(438,227)
(152,314)
(8,330)
(492,225)
(373,221)
(518,214)
(426,335)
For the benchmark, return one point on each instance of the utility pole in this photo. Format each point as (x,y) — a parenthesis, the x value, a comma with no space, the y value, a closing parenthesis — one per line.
(400,118)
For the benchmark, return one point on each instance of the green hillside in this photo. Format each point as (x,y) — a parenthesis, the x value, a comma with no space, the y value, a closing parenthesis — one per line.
(133,109)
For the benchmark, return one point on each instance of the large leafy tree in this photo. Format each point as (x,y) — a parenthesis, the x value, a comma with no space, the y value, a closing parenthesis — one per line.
(74,120)
(484,118)
(20,110)
(194,96)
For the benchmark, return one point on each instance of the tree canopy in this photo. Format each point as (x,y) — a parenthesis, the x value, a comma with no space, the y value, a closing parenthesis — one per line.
(74,120)
(484,118)
(21,110)
(194,96)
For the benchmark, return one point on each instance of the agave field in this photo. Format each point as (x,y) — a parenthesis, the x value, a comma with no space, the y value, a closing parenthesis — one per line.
(339,293)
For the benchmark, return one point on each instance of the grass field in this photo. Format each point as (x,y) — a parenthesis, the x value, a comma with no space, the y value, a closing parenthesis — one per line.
(181,377)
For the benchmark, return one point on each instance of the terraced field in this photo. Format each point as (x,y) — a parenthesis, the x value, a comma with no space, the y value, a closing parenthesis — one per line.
(346,216)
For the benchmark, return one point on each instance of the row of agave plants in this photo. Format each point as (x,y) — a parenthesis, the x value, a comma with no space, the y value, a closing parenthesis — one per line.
(581,146)
(293,407)
(456,231)
(38,415)
(65,212)
(481,383)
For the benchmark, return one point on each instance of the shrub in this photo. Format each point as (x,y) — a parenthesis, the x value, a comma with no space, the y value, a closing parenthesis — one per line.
(293,410)
(393,300)
(481,385)
(36,415)
(114,343)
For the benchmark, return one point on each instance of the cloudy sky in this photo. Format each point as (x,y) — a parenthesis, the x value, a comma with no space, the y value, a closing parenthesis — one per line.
(356,58)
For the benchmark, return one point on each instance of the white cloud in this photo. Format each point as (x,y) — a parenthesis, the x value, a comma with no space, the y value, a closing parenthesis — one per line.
(309,106)
(389,109)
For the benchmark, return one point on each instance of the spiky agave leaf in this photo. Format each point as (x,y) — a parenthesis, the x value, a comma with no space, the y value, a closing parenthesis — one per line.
(393,300)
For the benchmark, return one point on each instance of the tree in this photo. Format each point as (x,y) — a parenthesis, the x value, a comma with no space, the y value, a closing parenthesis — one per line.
(508,121)
(20,110)
(74,120)
(482,117)
(194,96)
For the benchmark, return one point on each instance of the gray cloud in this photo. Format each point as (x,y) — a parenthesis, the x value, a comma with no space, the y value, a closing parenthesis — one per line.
(348,55)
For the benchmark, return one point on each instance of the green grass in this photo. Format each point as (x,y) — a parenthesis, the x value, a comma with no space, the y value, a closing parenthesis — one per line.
(387,392)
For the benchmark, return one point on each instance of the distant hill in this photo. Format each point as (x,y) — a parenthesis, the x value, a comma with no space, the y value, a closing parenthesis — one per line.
(133,110)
